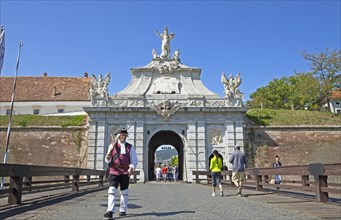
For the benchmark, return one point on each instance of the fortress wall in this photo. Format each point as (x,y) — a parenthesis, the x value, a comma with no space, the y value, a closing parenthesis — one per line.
(69,146)
(295,145)
(48,146)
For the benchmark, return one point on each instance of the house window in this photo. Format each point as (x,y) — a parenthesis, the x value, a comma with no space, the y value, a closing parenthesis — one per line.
(36,111)
(60,110)
(8,111)
(337,103)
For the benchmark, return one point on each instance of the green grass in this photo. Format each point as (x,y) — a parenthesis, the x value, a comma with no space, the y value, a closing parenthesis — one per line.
(266,117)
(263,117)
(38,120)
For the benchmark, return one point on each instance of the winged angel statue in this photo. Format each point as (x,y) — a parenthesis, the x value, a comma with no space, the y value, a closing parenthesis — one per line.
(231,85)
(99,86)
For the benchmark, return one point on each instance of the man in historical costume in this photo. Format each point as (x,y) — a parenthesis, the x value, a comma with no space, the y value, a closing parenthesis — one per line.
(122,160)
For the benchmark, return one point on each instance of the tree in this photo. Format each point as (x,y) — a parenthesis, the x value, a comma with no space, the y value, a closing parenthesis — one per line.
(287,92)
(326,68)
(274,95)
(174,160)
(304,89)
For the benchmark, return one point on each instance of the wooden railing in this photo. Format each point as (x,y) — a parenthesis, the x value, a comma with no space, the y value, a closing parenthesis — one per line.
(206,176)
(21,178)
(320,172)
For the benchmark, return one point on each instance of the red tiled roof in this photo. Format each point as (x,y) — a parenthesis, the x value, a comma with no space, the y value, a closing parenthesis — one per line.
(45,89)
(336,94)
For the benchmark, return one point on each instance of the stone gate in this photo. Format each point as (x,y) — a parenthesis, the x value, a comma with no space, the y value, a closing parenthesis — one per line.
(166,103)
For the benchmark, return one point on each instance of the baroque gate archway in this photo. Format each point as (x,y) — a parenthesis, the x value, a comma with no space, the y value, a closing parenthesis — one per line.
(165,138)
(164,100)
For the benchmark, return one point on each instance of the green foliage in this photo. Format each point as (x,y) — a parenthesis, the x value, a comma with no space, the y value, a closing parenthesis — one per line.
(326,67)
(302,89)
(266,117)
(174,160)
(38,120)
(286,93)
(22,123)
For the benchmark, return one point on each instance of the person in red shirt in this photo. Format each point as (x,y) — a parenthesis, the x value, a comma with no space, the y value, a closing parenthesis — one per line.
(164,173)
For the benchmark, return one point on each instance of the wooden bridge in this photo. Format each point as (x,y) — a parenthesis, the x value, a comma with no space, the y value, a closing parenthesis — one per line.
(300,175)
(73,193)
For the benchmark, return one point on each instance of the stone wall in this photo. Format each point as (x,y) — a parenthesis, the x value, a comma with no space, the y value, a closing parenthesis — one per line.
(49,146)
(296,145)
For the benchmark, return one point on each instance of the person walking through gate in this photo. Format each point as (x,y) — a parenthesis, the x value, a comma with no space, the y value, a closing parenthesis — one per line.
(175,172)
(164,172)
(239,161)
(122,160)
(215,166)
(158,173)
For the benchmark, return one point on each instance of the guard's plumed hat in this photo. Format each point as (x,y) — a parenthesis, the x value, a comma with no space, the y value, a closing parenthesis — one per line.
(121,131)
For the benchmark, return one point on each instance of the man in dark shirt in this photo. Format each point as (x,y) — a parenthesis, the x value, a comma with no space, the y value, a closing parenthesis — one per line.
(277,163)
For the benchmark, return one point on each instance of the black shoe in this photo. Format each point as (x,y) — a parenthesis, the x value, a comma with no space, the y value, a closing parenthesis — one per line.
(108,215)
(122,214)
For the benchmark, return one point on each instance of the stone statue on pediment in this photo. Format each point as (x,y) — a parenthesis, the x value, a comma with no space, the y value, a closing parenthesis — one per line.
(165,46)
(154,54)
(231,86)
(99,87)
(177,55)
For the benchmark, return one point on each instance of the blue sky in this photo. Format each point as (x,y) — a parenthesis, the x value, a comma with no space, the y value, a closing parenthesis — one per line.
(262,40)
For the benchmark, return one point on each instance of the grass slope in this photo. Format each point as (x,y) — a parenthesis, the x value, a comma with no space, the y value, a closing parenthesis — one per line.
(38,120)
(266,117)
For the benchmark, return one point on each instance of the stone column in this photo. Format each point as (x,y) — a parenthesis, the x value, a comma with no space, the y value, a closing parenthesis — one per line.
(92,139)
(139,140)
(201,147)
(96,145)
(101,131)
(191,149)
(239,134)
(230,134)
(235,136)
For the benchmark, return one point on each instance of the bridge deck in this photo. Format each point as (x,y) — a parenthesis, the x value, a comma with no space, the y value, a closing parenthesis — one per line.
(171,201)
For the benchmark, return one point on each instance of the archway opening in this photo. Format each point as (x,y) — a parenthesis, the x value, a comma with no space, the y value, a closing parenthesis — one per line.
(166,156)
(161,141)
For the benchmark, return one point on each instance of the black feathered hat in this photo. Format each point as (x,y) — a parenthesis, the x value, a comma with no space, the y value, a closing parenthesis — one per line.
(120,131)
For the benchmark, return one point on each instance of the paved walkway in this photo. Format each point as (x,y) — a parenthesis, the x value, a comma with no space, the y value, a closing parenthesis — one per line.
(172,201)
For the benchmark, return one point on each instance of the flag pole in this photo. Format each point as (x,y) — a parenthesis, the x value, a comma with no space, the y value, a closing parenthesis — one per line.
(11,113)
(2,47)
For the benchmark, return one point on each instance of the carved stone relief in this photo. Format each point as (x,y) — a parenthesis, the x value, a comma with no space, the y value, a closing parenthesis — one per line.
(195,103)
(215,103)
(166,109)
(215,135)
(135,103)
(237,102)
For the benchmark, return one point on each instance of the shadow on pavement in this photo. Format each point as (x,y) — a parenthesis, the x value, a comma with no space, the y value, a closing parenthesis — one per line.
(10,210)
(295,194)
(159,214)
